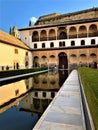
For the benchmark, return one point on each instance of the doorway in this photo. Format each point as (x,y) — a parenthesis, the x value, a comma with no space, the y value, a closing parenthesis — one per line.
(63,61)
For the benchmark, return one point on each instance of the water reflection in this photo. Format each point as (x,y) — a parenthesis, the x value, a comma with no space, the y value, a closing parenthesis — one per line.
(25,101)
(37,101)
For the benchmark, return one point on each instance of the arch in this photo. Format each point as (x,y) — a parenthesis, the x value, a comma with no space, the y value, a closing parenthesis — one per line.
(35,45)
(82,55)
(72,32)
(73,55)
(52,44)
(36,61)
(52,60)
(63,61)
(73,61)
(43,35)
(92,41)
(82,42)
(52,56)
(61,43)
(72,43)
(52,34)
(43,45)
(83,59)
(93,60)
(35,36)
(82,31)
(93,31)
(44,61)
(63,35)
(93,55)
(44,57)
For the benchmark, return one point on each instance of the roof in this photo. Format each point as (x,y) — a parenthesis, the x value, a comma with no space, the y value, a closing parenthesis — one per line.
(11,40)
(59,24)
(56,15)
(64,19)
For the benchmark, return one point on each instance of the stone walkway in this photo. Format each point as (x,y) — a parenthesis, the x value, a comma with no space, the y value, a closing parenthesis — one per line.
(65,112)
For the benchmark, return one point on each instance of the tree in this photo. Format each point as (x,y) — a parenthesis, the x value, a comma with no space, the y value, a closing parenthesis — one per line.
(10,30)
(30,23)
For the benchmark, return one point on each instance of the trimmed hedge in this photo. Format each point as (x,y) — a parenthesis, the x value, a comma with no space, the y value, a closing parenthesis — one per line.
(9,73)
(89,78)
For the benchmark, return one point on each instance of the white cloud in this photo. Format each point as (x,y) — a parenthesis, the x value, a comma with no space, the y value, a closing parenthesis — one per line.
(33,19)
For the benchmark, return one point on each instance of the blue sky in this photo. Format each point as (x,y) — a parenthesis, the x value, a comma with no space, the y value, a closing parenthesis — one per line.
(19,12)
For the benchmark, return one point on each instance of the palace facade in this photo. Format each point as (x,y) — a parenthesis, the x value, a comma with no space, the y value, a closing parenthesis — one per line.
(64,40)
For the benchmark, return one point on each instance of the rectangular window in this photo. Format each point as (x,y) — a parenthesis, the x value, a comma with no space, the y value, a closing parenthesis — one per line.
(35,45)
(16,51)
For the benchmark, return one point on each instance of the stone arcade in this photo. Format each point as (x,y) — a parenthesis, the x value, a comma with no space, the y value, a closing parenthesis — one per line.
(64,40)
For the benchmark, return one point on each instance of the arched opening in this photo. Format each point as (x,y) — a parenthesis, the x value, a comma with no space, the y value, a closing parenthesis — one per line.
(73,61)
(52,44)
(72,43)
(35,36)
(35,61)
(63,35)
(92,60)
(93,30)
(82,42)
(43,35)
(63,61)
(43,45)
(82,32)
(52,60)
(72,32)
(83,60)
(44,61)
(52,35)
(92,41)
(35,45)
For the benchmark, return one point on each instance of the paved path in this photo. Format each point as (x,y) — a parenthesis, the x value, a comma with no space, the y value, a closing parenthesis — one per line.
(65,111)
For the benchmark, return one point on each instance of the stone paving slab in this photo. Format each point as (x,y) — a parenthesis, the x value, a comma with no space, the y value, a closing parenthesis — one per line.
(65,112)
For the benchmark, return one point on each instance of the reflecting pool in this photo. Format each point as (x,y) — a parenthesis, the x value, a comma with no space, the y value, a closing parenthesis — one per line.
(23,102)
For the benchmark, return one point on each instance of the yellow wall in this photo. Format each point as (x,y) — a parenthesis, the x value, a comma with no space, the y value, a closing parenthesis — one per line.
(8,56)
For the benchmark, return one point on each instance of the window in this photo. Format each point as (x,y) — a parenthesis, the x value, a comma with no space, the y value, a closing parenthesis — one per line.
(26,53)
(63,43)
(36,94)
(82,42)
(44,94)
(60,44)
(16,92)
(92,41)
(51,44)
(72,43)
(52,94)
(35,45)
(43,45)
(16,51)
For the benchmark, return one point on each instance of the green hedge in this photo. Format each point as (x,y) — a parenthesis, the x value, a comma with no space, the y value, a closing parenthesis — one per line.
(9,73)
(89,79)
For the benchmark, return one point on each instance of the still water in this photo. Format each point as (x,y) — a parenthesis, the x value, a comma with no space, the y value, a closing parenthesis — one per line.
(23,102)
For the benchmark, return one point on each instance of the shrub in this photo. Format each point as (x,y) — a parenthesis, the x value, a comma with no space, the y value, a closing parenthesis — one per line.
(9,73)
